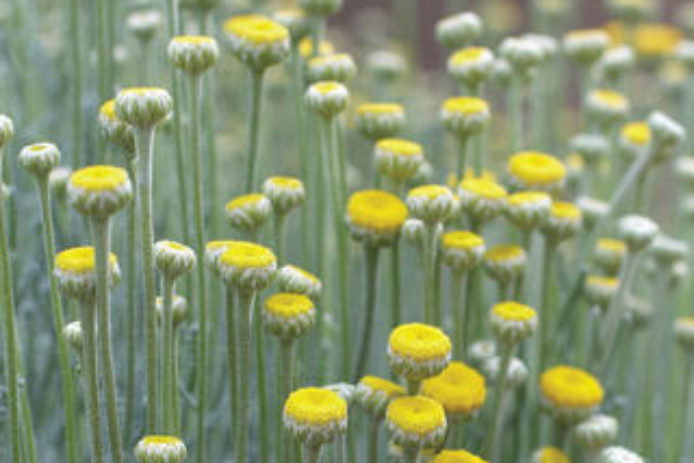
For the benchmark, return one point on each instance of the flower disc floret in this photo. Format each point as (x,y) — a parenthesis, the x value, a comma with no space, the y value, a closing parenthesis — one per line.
(40,158)
(193,53)
(569,393)
(462,250)
(504,262)
(456,456)
(460,389)
(248,212)
(99,191)
(288,315)
(374,394)
(549,455)
(398,159)
(512,322)
(143,107)
(465,115)
(417,351)
(416,421)
(430,203)
(247,266)
(173,259)
(74,269)
(563,222)
(380,120)
(528,209)
(338,67)
(607,106)
(375,216)
(315,416)
(532,170)
(471,66)
(160,449)
(481,199)
(257,41)
(327,98)
(285,193)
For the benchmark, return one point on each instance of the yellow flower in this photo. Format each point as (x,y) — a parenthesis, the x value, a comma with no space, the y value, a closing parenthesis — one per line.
(400,147)
(570,392)
(416,421)
(288,305)
(656,40)
(513,311)
(528,209)
(288,315)
(380,120)
(160,449)
(99,190)
(512,322)
(247,255)
(460,389)
(248,266)
(599,290)
(293,279)
(79,260)
(481,199)
(379,108)
(256,29)
(375,215)
(504,253)
(504,262)
(462,240)
(534,170)
(417,351)
(456,456)
(306,48)
(550,455)
(638,133)
(609,254)
(99,178)
(467,55)
(374,394)
(465,105)
(315,415)
(284,192)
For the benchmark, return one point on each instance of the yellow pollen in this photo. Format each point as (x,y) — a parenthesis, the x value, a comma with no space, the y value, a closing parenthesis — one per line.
(160,439)
(552,455)
(400,147)
(328,59)
(504,253)
(467,55)
(609,244)
(174,245)
(290,183)
(482,187)
(416,414)
(99,178)
(108,110)
(565,210)
(536,168)
(315,406)
(327,87)
(306,48)
(288,305)
(384,386)
(379,108)
(139,91)
(609,97)
(459,388)
(245,255)
(638,133)
(656,39)
(607,282)
(194,39)
(79,260)
(376,210)
(456,456)
(256,29)
(513,311)
(523,198)
(244,200)
(570,387)
(419,341)
(465,105)
(429,191)
(463,240)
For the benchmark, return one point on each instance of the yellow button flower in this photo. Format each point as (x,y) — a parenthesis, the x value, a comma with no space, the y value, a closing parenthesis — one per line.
(99,190)
(456,456)
(256,40)
(570,393)
(160,449)
(481,199)
(504,262)
(293,279)
(512,322)
(398,159)
(462,250)
(375,216)
(465,115)
(374,394)
(460,389)
(563,222)
(306,48)
(380,120)
(532,170)
(416,421)
(550,455)
(417,351)
(248,266)
(430,203)
(315,416)
(75,271)
(288,315)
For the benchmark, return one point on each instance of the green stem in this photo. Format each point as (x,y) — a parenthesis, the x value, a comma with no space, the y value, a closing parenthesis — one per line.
(371,254)
(144,142)
(545,317)
(279,236)
(473,284)
(395,309)
(76,59)
(261,383)
(430,250)
(373,439)
(286,374)
(245,306)
(461,166)
(516,113)
(167,329)
(686,444)
(58,320)
(495,431)
(198,210)
(12,369)
(89,363)
(311,453)
(101,240)
(413,386)
(176,376)
(232,363)
(131,307)
(101,60)
(254,108)
(458,287)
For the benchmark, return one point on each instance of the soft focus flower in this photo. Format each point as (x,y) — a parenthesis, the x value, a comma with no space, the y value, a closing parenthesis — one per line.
(380,120)
(464,115)
(247,266)
(595,433)
(458,30)
(460,389)
(585,46)
(293,279)
(39,159)
(637,231)
(327,98)
(563,222)
(256,40)
(616,454)
(549,455)
(416,421)
(99,191)
(532,170)
(339,67)
(505,262)
(398,159)
(160,449)
(456,456)
(193,53)
(482,200)
(288,315)
(512,322)
(599,290)
(374,394)
(462,250)
(315,416)
(375,216)
(569,393)
(417,351)
(609,254)
(471,66)
(248,212)
(430,203)
(528,209)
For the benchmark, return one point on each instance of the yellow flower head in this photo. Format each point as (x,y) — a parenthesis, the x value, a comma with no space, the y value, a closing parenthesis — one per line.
(284,192)
(374,394)
(564,221)
(684,332)
(638,133)
(528,209)
(570,393)
(193,54)
(468,55)
(513,312)
(327,98)
(248,212)
(512,322)
(306,48)
(462,250)
(462,240)
(160,448)
(75,271)
(416,421)
(398,159)
(460,389)
(607,106)
(504,262)
(430,203)
(599,290)
(481,199)
(457,456)
(248,266)
(550,455)
(108,110)
(609,254)
(656,40)
(173,259)
(532,170)
(417,351)
(315,415)
(466,105)
(213,251)
(99,190)
(375,216)
(78,261)
(256,29)
(504,253)
(368,109)
(380,120)
(400,147)
(293,279)
(288,315)
(464,115)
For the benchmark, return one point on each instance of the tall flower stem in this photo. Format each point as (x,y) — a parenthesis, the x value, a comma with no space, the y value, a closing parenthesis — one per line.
(495,430)
(374,424)
(279,236)
(395,309)
(371,254)
(58,321)
(198,210)
(144,142)
(167,330)
(254,108)
(458,287)
(101,239)
(246,306)
(264,430)
(12,368)
(131,307)
(89,363)
(430,244)
(686,444)
(232,364)
(515,108)
(546,324)
(102,61)
(286,375)
(311,453)
(461,165)
(76,63)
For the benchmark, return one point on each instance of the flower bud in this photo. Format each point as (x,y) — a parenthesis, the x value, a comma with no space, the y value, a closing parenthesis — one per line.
(39,159)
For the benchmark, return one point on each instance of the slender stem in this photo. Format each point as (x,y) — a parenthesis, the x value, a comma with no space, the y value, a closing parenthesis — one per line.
(371,254)
(76,64)
(286,374)
(12,369)
(198,210)
(261,383)
(546,318)
(458,287)
(311,453)
(232,364)
(413,386)
(373,439)
(496,429)
(516,113)
(461,166)
(395,309)
(279,236)
(131,307)
(167,329)
(58,320)
(254,126)
(430,245)
(176,376)
(471,286)
(89,363)
(144,142)
(245,306)
(101,240)
(686,445)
